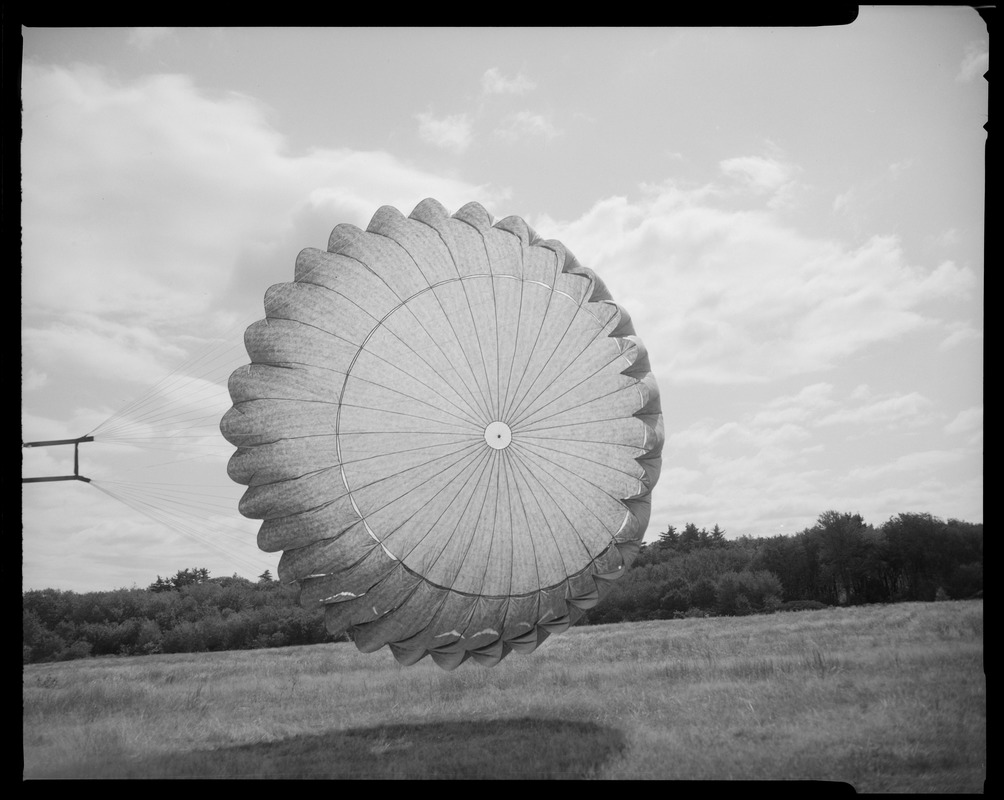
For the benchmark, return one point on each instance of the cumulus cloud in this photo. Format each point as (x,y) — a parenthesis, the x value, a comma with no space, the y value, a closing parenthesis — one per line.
(843,201)
(527,125)
(781,466)
(761,174)
(110,349)
(948,280)
(975,63)
(494,82)
(958,333)
(966,421)
(801,407)
(898,167)
(947,238)
(817,405)
(744,298)
(924,461)
(453,132)
(745,466)
(154,215)
(911,409)
(140,180)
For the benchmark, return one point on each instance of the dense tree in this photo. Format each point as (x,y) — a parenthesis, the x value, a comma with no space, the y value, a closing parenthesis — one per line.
(839,560)
(785,557)
(196,613)
(924,553)
(843,553)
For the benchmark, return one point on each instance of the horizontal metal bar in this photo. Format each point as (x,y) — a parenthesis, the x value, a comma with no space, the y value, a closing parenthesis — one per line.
(58,441)
(57,478)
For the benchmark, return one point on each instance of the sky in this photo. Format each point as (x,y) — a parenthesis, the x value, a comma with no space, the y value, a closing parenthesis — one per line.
(793,217)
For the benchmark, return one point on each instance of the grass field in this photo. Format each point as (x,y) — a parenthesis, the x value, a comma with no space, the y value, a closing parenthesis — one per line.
(884,698)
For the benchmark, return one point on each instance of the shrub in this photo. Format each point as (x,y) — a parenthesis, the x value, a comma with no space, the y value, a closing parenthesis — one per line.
(966,581)
(745,592)
(702,593)
(79,649)
(674,600)
(801,605)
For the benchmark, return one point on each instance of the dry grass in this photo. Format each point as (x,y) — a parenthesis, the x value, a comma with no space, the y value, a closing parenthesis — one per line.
(885,698)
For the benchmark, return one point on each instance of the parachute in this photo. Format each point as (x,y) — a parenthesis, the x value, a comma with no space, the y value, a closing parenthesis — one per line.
(451,432)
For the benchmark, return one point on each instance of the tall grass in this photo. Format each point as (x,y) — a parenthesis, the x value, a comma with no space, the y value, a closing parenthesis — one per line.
(885,698)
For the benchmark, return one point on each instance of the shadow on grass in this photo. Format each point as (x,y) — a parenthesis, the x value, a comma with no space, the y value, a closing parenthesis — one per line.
(528,748)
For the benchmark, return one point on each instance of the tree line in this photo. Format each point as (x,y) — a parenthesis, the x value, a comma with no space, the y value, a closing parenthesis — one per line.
(189,612)
(840,560)
(691,572)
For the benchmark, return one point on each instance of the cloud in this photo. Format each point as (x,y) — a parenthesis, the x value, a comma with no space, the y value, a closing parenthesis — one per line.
(842,202)
(975,63)
(817,406)
(494,82)
(116,543)
(744,466)
(911,409)
(948,280)
(898,167)
(777,467)
(966,421)
(743,298)
(761,174)
(450,133)
(146,184)
(920,462)
(145,38)
(802,407)
(958,333)
(947,238)
(155,214)
(527,125)
(158,189)
(858,203)
(764,176)
(110,349)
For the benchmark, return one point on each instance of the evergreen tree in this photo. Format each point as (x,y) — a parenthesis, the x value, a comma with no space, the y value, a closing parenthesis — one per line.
(670,539)
(690,539)
(160,585)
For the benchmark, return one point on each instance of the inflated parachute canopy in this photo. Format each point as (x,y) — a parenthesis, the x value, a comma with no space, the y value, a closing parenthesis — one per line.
(450,431)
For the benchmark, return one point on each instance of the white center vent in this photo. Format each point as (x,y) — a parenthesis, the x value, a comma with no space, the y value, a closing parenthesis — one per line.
(498,435)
